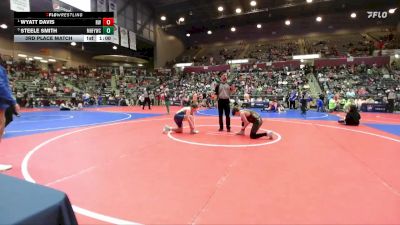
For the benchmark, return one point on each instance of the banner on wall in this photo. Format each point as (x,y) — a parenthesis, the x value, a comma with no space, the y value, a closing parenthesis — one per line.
(20,5)
(124,37)
(116,35)
(132,40)
(101,6)
(112,7)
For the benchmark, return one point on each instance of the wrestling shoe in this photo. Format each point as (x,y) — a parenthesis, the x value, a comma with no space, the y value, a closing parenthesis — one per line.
(269,134)
(4,167)
(166,129)
(240,132)
(194,132)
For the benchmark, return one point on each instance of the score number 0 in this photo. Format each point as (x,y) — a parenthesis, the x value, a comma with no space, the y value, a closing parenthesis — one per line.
(108,21)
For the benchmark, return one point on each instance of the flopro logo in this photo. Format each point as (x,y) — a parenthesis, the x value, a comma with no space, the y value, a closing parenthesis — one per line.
(380,14)
(377,14)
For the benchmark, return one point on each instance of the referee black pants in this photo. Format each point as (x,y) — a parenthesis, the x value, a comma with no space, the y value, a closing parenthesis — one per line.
(223,106)
(146,101)
(391,105)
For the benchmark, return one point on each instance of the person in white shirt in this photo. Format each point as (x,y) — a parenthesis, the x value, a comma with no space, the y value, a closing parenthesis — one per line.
(391,100)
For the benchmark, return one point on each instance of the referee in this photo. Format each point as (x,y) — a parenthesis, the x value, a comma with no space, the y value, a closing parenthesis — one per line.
(146,98)
(223,91)
(6,101)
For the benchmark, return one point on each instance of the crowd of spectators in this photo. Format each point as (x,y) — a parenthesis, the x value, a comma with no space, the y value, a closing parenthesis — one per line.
(275,51)
(351,45)
(341,86)
(359,84)
(355,45)
(386,40)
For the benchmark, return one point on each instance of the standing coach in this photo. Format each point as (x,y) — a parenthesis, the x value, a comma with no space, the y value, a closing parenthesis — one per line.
(223,91)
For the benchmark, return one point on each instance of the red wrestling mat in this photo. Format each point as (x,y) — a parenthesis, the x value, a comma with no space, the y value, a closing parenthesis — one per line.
(314,173)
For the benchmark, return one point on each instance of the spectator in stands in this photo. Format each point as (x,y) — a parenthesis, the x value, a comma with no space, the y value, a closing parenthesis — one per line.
(391,100)
(287,100)
(167,99)
(141,100)
(73,98)
(303,102)
(292,99)
(333,104)
(320,105)
(348,104)
(152,98)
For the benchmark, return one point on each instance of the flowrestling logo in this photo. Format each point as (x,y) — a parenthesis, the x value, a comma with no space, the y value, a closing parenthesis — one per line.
(380,14)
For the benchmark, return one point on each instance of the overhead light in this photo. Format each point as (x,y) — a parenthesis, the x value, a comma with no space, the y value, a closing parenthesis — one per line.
(309,1)
(287,22)
(52,60)
(3,26)
(209,32)
(353,15)
(115,47)
(396,56)
(37,57)
(259,26)
(311,56)
(183,64)
(220,8)
(302,60)
(30,59)
(318,19)
(233,29)
(238,10)
(163,18)
(253,3)
(182,19)
(391,11)
(238,61)
(140,64)
(22,55)
(73,43)
(187,35)
(44,61)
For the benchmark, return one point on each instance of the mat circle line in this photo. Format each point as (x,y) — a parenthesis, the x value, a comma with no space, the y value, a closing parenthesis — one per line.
(223,145)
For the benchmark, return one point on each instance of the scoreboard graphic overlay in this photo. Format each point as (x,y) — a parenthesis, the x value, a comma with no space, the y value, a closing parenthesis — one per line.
(63,26)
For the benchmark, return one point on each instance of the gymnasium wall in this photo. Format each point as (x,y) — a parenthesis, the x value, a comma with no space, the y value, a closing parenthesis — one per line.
(168,47)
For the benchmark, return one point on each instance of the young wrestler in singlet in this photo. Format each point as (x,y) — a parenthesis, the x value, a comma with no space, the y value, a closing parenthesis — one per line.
(249,116)
(184,114)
